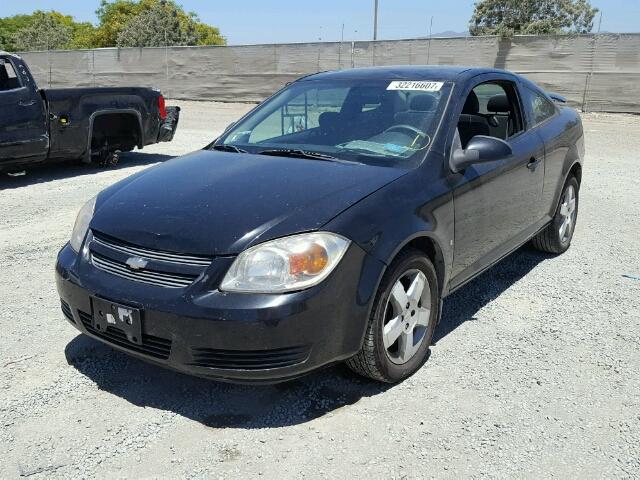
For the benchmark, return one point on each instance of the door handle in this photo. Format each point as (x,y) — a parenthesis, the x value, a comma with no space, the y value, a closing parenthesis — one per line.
(23,103)
(533,163)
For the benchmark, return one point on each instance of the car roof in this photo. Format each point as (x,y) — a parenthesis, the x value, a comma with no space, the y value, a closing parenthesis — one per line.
(406,72)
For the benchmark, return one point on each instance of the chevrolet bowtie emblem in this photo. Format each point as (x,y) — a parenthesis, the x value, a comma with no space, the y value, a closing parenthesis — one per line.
(136,263)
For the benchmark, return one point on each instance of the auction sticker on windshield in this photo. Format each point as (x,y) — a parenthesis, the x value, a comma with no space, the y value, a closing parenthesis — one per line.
(420,85)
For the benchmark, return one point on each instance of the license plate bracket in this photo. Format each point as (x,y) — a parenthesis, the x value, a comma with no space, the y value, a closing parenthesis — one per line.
(110,314)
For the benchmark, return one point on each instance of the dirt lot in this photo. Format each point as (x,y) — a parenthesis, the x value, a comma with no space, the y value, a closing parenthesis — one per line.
(535,371)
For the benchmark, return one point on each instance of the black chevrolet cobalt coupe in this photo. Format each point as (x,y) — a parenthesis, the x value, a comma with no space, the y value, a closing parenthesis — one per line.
(326,225)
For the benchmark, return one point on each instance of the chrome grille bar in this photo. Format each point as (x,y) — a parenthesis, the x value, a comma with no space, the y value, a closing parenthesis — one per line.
(145,276)
(176,258)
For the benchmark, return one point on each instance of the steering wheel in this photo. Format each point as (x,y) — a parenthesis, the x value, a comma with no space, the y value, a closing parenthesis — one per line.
(405,128)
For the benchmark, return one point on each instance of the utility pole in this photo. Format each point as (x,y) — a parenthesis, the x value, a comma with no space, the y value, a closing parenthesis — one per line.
(600,22)
(340,49)
(166,58)
(429,47)
(375,20)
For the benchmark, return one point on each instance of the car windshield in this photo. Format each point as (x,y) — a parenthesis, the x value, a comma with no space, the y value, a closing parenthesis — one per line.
(386,122)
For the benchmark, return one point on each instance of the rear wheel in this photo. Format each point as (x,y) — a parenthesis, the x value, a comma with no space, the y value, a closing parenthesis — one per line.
(556,237)
(403,319)
(111,134)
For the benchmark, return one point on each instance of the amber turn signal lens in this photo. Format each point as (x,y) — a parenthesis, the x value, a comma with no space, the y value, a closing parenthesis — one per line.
(311,262)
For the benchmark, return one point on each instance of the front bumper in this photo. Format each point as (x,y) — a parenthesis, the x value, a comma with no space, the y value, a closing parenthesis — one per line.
(235,337)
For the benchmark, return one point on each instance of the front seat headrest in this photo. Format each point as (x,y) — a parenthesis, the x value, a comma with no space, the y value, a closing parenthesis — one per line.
(328,120)
(422,103)
(499,103)
(472,104)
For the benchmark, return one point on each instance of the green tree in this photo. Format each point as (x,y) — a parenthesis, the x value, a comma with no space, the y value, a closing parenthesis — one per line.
(159,25)
(141,23)
(8,28)
(208,35)
(531,17)
(112,18)
(121,23)
(84,36)
(45,31)
(42,29)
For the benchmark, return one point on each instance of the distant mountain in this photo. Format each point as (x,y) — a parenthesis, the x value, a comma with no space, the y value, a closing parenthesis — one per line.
(450,33)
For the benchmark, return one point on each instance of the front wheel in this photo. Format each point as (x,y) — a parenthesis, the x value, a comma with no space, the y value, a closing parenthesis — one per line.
(556,237)
(402,322)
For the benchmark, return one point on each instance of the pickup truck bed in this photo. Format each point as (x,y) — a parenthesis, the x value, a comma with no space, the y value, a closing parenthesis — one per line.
(88,124)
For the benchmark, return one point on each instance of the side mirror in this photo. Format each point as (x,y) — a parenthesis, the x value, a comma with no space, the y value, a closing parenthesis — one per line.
(480,149)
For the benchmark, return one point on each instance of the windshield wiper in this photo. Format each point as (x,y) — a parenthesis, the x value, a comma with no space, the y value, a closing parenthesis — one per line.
(299,153)
(228,148)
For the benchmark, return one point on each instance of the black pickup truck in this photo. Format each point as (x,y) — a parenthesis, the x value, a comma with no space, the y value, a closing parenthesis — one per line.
(88,124)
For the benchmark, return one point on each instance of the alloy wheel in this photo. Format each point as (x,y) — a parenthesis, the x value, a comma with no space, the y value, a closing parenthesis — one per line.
(407,316)
(567,214)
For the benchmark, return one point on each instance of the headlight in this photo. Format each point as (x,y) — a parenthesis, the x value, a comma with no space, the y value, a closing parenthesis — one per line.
(285,264)
(82,224)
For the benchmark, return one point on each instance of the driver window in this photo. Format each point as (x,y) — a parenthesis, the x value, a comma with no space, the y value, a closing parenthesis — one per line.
(491,109)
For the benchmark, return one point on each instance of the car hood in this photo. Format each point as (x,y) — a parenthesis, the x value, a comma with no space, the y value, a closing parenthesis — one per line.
(216,203)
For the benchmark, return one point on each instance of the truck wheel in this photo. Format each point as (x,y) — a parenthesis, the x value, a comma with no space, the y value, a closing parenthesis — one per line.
(556,237)
(404,316)
(109,159)
(114,158)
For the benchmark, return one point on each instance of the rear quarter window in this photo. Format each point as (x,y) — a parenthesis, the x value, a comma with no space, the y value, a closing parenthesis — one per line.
(8,77)
(540,107)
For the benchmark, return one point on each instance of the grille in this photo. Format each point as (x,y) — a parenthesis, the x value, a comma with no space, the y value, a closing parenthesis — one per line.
(248,359)
(153,346)
(163,269)
(66,310)
(161,279)
(176,258)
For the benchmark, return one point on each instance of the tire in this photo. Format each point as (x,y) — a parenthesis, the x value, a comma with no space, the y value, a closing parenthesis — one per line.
(556,237)
(108,159)
(396,361)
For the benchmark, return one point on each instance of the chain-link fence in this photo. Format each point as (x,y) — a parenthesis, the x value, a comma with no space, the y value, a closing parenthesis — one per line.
(595,72)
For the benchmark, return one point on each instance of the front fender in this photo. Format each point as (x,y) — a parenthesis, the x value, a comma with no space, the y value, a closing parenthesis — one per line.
(415,206)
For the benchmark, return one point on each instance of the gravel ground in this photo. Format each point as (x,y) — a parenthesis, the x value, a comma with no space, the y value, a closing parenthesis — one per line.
(535,371)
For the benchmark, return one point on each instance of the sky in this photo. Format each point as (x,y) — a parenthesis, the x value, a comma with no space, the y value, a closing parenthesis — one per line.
(281,21)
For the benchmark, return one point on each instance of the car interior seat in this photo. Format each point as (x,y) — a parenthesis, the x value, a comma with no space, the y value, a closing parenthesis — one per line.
(421,108)
(356,121)
(499,105)
(470,122)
